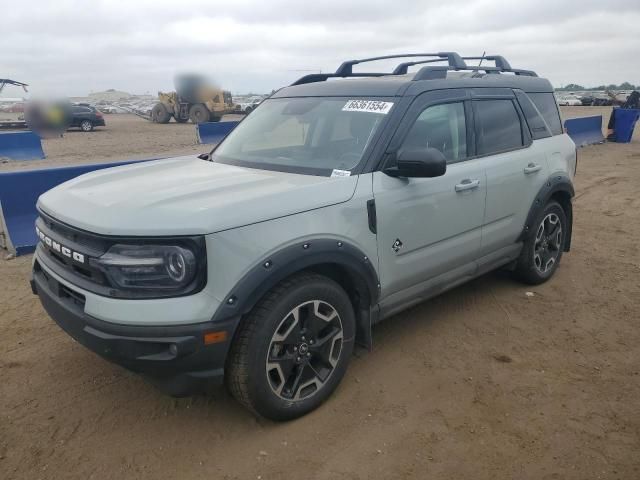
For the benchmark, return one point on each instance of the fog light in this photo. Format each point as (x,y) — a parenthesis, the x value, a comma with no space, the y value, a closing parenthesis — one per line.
(173,349)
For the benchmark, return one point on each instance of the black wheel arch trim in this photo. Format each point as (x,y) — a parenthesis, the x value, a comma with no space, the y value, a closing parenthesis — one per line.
(554,184)
(300,256)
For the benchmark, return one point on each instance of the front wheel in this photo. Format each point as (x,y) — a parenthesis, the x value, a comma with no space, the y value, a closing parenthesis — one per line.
(293,348)
(543,249)
(160,113)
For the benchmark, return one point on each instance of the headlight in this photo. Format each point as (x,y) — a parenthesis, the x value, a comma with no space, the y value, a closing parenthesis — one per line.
(162,269)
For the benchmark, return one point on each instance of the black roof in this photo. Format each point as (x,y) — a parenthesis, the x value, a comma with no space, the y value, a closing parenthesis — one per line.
(456,74)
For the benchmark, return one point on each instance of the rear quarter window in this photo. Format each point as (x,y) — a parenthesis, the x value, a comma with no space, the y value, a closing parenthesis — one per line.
(537,126)
(547,106)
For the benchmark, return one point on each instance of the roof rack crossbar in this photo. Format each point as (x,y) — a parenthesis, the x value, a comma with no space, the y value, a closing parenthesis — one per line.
(439,72)
(453,58)
(403,68)
(503,65)
(499,60)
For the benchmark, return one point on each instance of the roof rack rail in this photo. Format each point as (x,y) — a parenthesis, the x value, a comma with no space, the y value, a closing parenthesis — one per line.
(455,62)
(346,69)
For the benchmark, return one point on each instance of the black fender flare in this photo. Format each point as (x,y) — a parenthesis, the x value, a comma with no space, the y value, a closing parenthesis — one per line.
(271,270)
(553,185)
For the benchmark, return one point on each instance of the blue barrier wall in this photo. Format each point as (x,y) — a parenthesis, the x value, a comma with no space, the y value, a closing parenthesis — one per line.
(585,130)
(214,132)
(625,121)
(19,192)
(21,145)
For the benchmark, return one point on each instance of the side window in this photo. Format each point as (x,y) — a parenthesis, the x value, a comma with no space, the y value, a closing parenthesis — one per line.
(546,104)
(537,125)
(499,127)
(442,127)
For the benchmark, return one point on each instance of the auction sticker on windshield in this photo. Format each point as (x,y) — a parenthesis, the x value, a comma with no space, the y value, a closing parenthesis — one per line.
(370,106)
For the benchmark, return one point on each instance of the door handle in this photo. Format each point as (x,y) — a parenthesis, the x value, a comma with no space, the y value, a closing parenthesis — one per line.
(467,184)
(532,168)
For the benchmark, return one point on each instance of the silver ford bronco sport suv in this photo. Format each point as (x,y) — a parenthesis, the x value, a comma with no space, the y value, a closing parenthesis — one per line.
(340,201)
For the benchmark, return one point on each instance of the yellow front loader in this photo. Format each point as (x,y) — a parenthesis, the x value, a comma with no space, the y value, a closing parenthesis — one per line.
(195,100)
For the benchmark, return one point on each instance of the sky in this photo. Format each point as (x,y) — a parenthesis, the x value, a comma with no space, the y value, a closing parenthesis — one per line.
(73,48)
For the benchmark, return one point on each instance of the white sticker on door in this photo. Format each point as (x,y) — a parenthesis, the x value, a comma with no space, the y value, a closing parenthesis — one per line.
(369,106)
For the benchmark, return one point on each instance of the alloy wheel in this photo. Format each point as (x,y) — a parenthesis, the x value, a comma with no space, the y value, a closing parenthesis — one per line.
(304,350)
(548,243)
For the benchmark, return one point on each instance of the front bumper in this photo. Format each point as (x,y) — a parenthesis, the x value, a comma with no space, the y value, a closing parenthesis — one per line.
(175,358)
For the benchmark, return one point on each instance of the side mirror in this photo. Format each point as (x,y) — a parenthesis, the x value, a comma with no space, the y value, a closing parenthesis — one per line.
(418,162)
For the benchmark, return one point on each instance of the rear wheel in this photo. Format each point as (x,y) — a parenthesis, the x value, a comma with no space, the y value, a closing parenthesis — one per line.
(86,125)
(292,350)
(199,113)
(160,114)
(543,249)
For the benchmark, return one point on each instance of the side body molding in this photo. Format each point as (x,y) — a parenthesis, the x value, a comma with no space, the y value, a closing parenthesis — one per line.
(558,184)
(323,255)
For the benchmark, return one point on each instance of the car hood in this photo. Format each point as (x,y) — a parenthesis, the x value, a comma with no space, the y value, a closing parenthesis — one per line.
(186,196)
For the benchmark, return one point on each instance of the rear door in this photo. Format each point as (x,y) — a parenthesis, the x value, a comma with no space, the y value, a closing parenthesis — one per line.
(516,166)
(76,116)
(429,229)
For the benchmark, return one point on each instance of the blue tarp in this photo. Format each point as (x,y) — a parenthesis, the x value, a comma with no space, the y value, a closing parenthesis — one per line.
(19,192)
(24,145)
(585,130)
(214,132)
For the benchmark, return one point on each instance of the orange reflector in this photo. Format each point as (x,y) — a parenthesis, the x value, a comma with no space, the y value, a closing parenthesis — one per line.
(214,337)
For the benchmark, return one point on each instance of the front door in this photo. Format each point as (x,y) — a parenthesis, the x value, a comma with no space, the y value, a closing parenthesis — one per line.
(429,229)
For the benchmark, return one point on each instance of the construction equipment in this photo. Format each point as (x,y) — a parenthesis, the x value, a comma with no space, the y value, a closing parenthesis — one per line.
(6,81)
(12,123)
(195,99)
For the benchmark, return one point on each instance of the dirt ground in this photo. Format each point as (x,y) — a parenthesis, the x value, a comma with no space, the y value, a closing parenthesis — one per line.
(493,380)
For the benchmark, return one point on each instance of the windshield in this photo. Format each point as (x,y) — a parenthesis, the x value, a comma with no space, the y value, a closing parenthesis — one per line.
(319,136)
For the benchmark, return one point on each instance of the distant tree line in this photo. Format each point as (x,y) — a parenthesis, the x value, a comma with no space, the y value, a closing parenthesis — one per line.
(622,86)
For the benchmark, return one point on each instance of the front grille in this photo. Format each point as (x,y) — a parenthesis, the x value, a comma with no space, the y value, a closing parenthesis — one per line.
(89,245)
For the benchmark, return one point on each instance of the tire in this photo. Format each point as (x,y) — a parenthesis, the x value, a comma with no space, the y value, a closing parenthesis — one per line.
(543,248)
(199,113)
(86,125)
(281,371)
(248,110)
(160,114)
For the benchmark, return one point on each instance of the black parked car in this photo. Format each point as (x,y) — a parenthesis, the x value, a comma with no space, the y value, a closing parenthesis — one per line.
(86,117)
